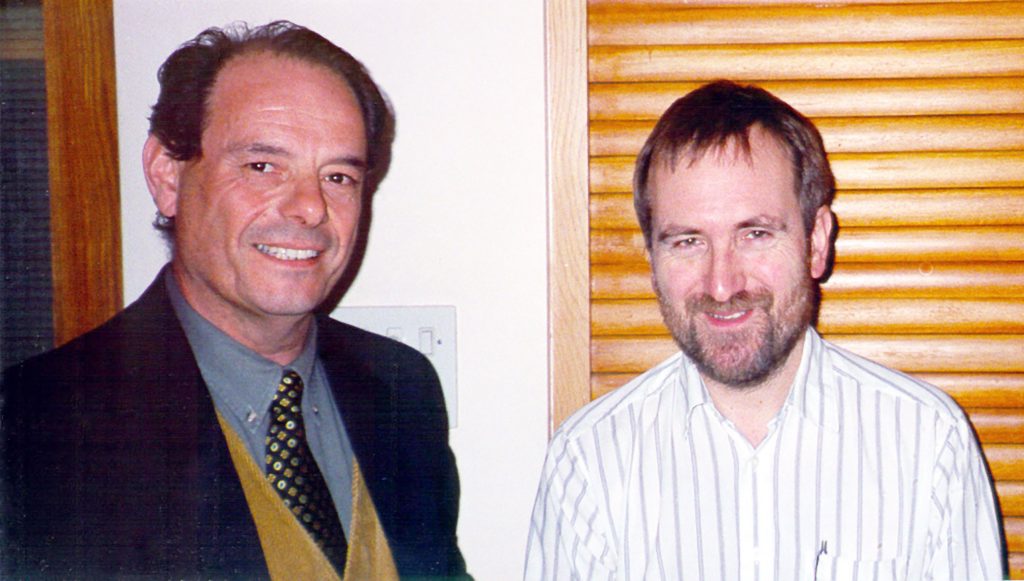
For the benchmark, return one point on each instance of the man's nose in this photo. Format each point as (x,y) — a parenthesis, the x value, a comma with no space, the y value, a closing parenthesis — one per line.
(304,202)
(725,275)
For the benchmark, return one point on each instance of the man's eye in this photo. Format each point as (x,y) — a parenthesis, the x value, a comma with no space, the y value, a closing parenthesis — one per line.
(758,234)
(688,245)
(260,166)
(340,179)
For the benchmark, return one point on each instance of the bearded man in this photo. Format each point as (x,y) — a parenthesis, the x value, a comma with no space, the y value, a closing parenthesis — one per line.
(761,451)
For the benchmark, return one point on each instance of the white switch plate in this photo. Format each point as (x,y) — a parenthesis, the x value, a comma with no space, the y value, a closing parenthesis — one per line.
(429,329)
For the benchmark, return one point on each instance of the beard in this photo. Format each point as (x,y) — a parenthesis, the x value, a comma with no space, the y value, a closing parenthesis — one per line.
(748,356)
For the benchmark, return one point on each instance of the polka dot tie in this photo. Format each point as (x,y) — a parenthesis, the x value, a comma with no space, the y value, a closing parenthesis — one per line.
(293,472)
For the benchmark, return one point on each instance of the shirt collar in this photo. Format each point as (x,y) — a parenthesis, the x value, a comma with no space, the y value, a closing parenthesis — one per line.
(812,392)
(240,380)
(695,394)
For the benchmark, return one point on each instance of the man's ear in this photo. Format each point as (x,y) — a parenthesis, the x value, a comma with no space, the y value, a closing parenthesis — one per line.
(821,241)
(163,174)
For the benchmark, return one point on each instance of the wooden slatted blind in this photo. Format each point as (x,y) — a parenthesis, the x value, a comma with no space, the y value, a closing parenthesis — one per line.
(922,110)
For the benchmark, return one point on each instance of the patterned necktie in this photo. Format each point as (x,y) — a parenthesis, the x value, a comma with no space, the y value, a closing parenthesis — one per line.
(293,472)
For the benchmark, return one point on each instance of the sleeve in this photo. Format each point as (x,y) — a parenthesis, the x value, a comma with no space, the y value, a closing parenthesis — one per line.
(568,536)
(966,538)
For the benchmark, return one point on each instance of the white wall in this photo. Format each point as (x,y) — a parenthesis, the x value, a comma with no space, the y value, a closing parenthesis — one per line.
(460,219)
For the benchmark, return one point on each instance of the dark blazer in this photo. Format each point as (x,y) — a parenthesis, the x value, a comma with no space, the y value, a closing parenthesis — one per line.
(114,464)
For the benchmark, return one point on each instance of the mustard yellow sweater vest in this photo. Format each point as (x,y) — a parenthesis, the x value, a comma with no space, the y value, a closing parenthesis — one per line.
(289,550)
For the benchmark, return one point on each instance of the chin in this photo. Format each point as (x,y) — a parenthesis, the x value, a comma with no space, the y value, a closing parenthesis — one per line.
(738,367)
(739,376)
(285,305)
(285,292)
(300,303)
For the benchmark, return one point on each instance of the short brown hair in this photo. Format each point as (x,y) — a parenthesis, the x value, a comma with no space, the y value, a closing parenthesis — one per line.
(721,112)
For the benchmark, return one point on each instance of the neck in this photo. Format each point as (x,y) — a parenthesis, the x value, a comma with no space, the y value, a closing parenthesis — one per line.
(282,346)
(750,408)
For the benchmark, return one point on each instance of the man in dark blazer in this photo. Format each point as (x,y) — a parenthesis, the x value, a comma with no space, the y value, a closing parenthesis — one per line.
(264,146)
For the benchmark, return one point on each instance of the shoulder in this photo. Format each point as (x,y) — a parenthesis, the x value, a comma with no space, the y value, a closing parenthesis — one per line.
(136,360)
(69,362)
(140,335)
(622,409)
(875,380)
(343,343)
(366,369)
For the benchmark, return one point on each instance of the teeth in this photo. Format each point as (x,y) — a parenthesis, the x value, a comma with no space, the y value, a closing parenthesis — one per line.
(286,253)
(727,317)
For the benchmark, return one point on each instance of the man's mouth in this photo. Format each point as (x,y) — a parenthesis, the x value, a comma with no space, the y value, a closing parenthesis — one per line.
(730,317)
(735,311)
(287,253)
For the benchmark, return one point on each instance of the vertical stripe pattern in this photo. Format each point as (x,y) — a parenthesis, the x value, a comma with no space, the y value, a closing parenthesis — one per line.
(865,474)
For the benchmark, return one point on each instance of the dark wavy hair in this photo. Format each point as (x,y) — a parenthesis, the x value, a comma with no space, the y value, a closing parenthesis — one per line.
(722,112)
(187,78)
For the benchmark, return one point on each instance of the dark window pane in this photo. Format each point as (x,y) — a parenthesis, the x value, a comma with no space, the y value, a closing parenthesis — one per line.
(26,325)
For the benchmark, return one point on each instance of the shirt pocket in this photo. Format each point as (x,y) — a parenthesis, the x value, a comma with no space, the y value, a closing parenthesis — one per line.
(840,569)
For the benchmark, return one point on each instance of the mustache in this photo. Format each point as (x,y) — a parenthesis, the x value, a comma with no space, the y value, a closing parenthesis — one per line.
(741,301)
(316,238)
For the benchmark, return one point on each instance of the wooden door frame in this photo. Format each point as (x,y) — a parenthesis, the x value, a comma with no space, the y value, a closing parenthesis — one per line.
(568,209)
(85,203)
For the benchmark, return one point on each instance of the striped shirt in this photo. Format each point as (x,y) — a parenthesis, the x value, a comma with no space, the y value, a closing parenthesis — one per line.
(865,474)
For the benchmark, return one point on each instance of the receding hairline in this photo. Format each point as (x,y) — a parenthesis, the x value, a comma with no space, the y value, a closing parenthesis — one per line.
(256,52)
(729,147)
(252,56)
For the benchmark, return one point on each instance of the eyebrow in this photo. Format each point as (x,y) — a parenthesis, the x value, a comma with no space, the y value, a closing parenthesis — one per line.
(673,231)
(763,221)
(352,160)
(269,149)
(259,147)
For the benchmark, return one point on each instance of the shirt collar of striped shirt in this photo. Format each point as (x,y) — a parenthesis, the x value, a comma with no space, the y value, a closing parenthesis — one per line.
(815,385)
(813,392)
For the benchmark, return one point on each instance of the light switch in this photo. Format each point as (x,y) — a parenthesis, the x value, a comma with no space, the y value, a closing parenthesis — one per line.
(427,340)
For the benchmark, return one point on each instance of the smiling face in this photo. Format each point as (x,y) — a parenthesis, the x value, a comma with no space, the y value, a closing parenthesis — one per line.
(266,216)
(733,266)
